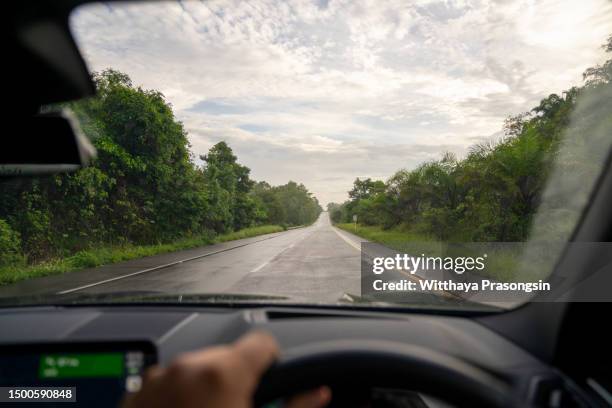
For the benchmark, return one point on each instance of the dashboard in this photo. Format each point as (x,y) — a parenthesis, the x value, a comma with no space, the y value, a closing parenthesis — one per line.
(88,373)
(101,351)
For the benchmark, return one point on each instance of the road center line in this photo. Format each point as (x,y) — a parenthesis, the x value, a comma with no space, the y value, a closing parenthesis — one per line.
(277,255)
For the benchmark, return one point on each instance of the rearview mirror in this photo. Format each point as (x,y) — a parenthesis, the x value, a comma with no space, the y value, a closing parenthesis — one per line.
(46,144)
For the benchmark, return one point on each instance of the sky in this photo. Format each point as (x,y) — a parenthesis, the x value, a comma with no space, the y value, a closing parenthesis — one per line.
(321,92)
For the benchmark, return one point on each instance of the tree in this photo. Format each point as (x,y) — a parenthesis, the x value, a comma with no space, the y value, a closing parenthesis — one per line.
(366,188)
(493,194)
(600,74)
(229,180)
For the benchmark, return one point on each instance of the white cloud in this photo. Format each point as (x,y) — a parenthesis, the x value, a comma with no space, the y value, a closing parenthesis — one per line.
(324,91)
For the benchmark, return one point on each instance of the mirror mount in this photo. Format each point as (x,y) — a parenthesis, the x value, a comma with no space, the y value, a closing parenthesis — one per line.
(48,143)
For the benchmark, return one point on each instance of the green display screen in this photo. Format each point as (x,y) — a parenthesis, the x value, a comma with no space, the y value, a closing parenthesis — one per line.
(81,365)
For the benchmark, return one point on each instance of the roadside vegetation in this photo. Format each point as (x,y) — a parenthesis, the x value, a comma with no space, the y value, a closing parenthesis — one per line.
(388,237)
(145,193)
(93,257)
(503,264)
(498,192)
(493,194)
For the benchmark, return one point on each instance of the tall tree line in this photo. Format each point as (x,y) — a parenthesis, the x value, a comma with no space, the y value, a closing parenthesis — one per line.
(493,193)
(143,188)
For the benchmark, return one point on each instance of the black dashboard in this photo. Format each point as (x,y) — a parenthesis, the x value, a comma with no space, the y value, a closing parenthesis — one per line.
(37,338)
(53,372)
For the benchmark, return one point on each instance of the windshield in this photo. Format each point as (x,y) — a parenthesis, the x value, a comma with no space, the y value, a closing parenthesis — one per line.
(288,152)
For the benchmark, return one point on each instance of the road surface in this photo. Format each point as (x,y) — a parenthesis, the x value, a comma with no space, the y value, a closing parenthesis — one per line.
(317,263)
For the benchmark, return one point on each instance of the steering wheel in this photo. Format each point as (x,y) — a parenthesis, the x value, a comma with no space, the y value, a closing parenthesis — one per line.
(367,363)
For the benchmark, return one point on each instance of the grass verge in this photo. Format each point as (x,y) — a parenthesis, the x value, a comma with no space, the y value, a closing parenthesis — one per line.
(503,264)
(390,237)
(112,254)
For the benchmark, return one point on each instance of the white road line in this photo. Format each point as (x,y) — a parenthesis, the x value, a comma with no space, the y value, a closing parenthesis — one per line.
(273,258)
(347,240)
(261,266)
(156,268)
(410,276)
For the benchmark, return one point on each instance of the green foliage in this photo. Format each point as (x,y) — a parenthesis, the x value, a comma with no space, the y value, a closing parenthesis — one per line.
(363,189)
(111,254)
(143,190)
(10,245)
(388,237)
(229,185)
(249,232)
(494,192)
(290,204)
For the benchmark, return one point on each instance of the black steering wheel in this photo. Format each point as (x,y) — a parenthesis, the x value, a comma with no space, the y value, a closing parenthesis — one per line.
(356,364)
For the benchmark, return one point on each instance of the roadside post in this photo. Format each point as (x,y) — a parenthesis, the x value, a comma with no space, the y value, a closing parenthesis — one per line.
(355,221)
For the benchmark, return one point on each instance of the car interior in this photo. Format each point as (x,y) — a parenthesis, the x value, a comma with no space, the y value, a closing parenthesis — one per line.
(543,353)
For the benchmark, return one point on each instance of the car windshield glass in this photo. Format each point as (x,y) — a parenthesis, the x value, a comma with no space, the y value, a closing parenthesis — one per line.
(319,152)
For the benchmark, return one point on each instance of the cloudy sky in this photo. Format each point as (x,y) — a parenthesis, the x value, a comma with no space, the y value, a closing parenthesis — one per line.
(323,91)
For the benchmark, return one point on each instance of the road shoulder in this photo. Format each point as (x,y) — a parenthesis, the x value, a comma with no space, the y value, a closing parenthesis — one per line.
(83,277)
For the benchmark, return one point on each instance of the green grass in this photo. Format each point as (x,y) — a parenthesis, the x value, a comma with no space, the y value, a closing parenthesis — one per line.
(502,264)
(249,232)
(390,237)
(112,254)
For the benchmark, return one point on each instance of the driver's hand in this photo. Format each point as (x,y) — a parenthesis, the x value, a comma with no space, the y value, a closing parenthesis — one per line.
(217,377)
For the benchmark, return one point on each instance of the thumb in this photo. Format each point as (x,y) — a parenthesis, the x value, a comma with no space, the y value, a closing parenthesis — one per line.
(317,398)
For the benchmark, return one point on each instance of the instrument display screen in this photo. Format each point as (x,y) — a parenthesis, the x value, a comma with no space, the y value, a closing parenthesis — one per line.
(86,374)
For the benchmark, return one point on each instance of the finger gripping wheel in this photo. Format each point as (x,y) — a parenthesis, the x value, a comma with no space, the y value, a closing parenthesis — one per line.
(383,364)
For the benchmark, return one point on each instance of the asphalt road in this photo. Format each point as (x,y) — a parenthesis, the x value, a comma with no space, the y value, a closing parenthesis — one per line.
(317,263)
